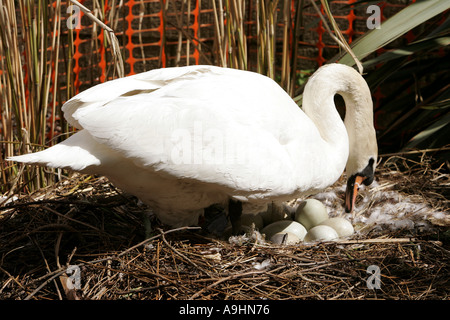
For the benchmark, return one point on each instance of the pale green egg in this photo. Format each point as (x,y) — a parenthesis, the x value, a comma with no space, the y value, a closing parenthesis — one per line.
(310,213)
(342,226)
(284,226)
(321,233)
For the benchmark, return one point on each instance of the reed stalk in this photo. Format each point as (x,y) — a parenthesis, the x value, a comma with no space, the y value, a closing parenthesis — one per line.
(30,47)
(36,78)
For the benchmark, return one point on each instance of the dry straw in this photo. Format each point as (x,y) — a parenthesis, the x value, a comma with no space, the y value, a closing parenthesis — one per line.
(88,224)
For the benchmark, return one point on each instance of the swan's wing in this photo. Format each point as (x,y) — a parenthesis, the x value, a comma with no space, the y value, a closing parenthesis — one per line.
(213,125)
(106,92)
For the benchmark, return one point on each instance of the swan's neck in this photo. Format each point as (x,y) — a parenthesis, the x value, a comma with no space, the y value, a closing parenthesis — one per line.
(318,103)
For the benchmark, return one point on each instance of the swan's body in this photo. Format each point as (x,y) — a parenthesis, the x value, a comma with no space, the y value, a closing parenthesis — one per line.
(182,139)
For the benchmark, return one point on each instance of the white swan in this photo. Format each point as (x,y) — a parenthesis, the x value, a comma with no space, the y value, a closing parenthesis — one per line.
(182,139)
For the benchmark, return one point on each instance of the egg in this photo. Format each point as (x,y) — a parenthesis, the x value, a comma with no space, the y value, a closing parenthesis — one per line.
(342,226)
(284,238)
(284,226)
(321,232)
(310,213)
(248,218)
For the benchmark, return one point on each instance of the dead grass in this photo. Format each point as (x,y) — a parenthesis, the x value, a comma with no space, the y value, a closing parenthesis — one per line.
(86,222)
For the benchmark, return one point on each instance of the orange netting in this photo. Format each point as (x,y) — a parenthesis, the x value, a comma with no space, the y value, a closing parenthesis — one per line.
(149,33)
(162,33)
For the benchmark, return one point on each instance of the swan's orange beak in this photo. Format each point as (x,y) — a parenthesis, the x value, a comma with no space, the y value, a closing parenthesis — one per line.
(353,184)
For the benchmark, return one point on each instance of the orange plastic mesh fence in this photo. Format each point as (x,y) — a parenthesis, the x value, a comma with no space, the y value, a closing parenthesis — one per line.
(163,33)
(151,30)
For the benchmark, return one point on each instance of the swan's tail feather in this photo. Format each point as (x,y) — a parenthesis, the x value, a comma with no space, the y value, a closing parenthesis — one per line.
(76,153)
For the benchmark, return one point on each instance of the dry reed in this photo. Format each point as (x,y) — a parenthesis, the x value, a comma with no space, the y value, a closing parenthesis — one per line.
(36,78)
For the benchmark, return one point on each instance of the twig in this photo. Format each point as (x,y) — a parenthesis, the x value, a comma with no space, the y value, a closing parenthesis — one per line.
(182,255)
(135,290)
(11,277)
(155,237)
(445,148)
(391,240)
(62,270)
(14,205)
(231,277)
(136,246)
(71,219)
(57,273)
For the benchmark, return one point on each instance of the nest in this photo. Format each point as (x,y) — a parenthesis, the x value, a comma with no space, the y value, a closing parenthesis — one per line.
(83,239)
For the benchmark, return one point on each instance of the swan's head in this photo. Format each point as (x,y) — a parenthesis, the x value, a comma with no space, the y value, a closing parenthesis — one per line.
(364,176)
